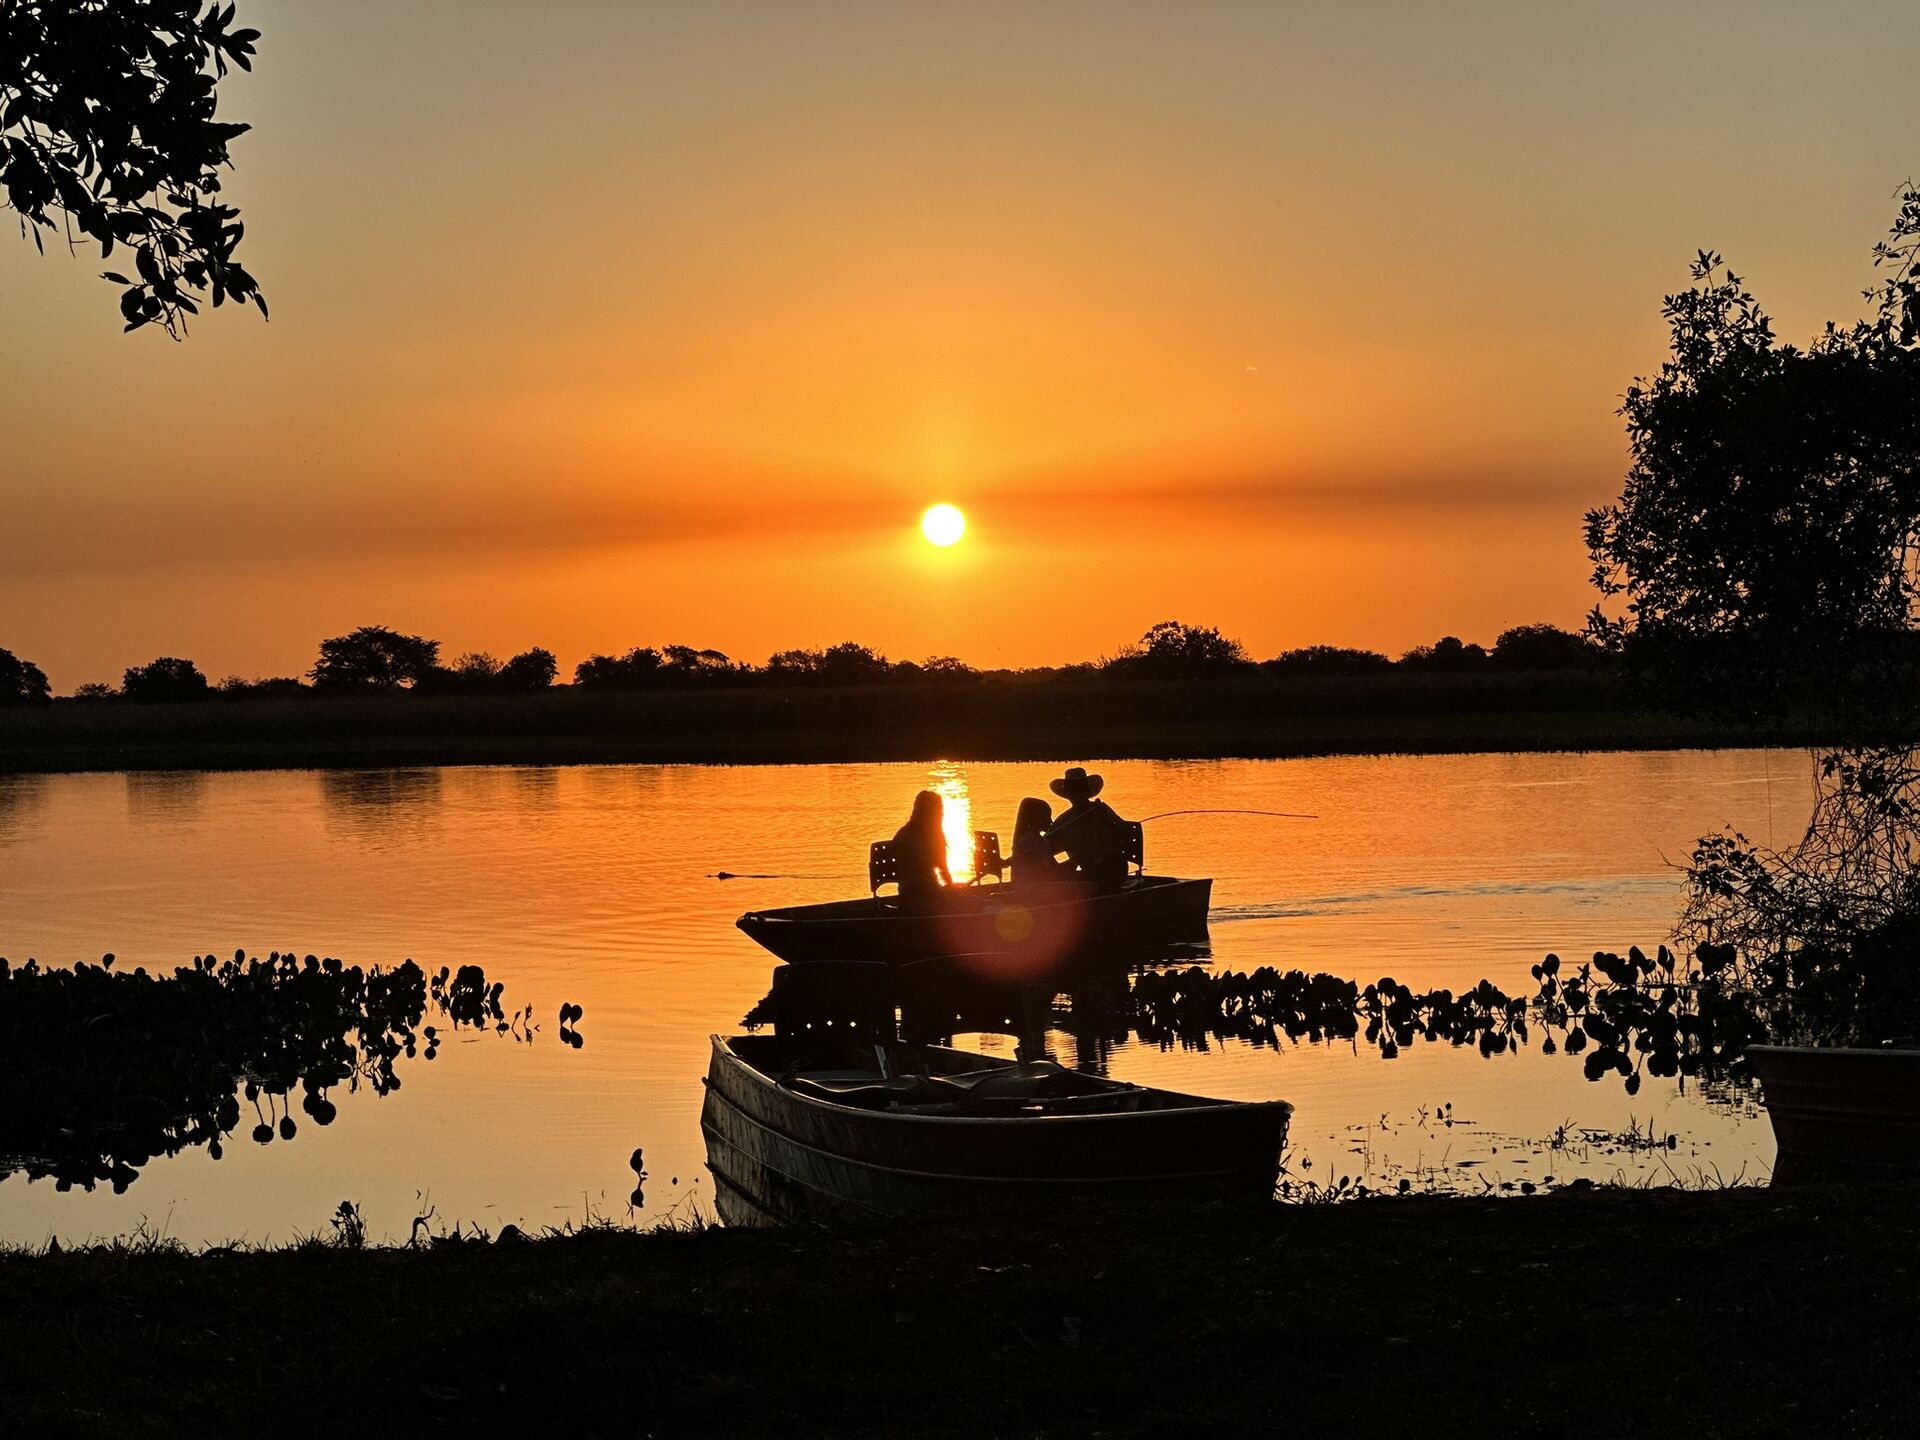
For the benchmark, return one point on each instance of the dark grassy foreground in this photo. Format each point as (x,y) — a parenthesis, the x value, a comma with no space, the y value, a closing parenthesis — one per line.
(1751,1312)
(995,718)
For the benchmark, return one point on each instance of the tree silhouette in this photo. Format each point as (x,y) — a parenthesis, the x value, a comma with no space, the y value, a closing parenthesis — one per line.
(533,669)
(1173,649)
(685,661)
(1449,652)
(1769,519)
(1765,544)
(1328,660)
(847,663)
(635,670)
(165,679)
(1544,647)
(108,132)
(374,658)
(947,667)
(21,681)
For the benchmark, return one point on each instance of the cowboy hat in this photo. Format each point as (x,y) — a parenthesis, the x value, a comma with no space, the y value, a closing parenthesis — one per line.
(1076,784)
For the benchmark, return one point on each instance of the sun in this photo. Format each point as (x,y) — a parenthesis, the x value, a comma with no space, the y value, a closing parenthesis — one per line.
(943,525)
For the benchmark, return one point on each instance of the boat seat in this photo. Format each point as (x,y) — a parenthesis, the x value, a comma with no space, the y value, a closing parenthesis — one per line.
(1011,1085)
(872,1093)
(986,856)
(883,866)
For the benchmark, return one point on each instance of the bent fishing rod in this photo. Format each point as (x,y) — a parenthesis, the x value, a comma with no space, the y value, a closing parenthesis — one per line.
(1277,814)
(1163,815)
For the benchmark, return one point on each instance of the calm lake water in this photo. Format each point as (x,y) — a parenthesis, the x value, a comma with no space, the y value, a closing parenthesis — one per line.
(593,885)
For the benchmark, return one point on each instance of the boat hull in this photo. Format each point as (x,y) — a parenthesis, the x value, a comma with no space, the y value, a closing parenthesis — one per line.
(1841,1113)
(780,1157)
(1037,930)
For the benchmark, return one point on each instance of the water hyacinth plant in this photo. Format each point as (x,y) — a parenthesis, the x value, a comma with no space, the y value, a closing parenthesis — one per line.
(109,1068)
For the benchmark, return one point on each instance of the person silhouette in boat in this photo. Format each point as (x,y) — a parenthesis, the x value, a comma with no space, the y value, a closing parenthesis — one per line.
(920,851)
(1092,836)
(1033,862)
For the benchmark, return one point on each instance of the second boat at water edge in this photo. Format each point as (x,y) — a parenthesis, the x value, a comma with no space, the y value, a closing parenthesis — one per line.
(842,1132)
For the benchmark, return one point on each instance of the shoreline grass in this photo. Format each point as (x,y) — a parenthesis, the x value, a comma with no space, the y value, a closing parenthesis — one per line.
(1754,1311)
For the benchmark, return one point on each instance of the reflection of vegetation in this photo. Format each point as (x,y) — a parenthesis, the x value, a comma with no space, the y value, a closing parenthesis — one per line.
(1630,1015)
(1639,1014)
(107,1069)
(20,797)
(381,800)
(1825,935)
(165,795)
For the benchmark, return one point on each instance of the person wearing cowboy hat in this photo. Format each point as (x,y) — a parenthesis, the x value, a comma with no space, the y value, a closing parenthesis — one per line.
(1090,834)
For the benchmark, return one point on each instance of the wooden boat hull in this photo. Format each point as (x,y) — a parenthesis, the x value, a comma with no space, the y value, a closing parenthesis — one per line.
(1035,927)
(781,1157)
(1841,1113)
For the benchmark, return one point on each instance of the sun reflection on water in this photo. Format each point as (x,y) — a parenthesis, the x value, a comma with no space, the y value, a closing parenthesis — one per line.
(950,783)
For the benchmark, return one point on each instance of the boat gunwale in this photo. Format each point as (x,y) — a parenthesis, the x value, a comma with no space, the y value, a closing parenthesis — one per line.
(1207,1105)
(1888,1052)
(793,914)
(970,1177)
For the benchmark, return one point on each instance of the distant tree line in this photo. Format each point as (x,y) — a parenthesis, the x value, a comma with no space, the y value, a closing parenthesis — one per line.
(375,660)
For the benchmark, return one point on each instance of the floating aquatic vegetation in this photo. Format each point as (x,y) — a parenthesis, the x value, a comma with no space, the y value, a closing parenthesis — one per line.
(107,1068)
(1631,1015)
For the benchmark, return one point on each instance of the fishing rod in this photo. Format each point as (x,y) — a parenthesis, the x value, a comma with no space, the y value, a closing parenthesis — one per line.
(1277,814)
(1163,815)
(740,875)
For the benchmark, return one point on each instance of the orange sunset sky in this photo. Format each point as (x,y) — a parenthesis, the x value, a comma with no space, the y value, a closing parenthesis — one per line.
(600,324)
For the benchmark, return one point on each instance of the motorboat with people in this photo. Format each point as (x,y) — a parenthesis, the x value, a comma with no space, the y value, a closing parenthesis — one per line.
(841,1128)
(1032,906)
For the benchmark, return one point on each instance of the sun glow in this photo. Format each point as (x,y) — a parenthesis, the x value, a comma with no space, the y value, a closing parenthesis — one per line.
(950,783)
(943,525)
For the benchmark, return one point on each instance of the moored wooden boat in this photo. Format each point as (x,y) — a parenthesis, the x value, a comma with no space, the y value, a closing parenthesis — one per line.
(1038,925)
(839,1143)
(1840,1113)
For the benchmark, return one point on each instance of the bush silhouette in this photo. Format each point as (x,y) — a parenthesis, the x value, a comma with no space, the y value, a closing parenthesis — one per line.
(1328,660)
(1449,652)
(165,679)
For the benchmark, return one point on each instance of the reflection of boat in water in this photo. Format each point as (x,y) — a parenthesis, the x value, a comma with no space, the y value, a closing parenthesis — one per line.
(1840,1113)
(845,1138)
(1043,924)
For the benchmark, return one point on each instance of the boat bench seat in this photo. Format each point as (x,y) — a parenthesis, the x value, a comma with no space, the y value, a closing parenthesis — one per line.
(883,867)
(1038,1081)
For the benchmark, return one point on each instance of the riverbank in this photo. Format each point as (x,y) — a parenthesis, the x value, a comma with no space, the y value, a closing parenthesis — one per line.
(1009,718)
(1749,1311)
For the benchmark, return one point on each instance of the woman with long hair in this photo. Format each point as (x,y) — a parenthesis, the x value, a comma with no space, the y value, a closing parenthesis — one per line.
(920,849)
